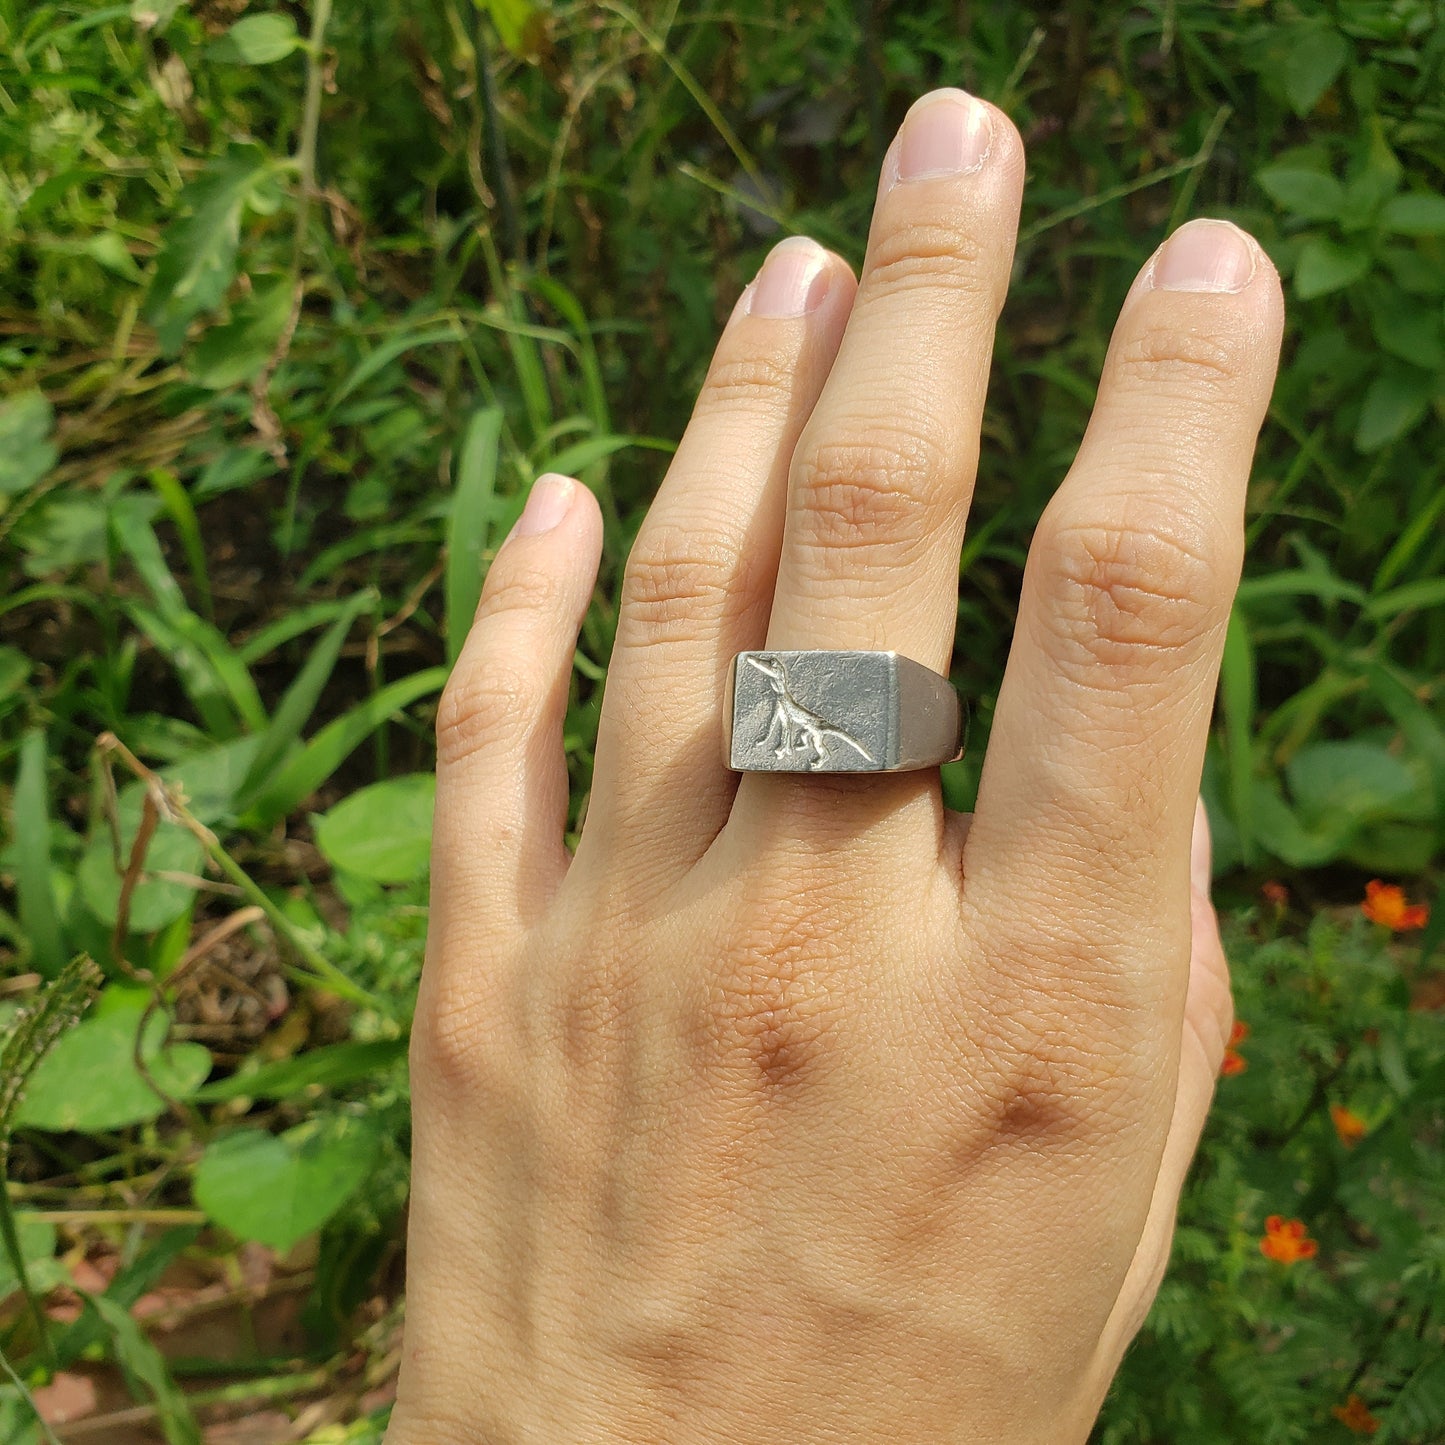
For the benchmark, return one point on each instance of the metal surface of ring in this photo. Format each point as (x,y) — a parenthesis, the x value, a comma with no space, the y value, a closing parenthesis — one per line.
(837,712)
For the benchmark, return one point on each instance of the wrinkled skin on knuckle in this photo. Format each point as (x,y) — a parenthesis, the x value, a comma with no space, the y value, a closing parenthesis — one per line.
(464,1031)
(758,385)
(1150,584)
(487,704)
(765,1012)
(882,484)
(679,584)
(1163,360)
(931,255)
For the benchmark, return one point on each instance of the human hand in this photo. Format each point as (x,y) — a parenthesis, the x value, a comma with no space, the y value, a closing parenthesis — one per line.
(796,1106)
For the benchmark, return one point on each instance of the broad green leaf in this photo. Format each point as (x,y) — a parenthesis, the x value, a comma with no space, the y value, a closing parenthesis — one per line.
(236,351)
(30,819)
(37,1249)
(467,524)
(259,40)
(382,832)
(277,1190)
(1315,57)
(162,893)
(1342,785)
(26,451)
(1325,265)
(1395,404)
(210,779)
(89,1082)
(1283,834)
(328,1068)
(1418,213)
(520,23)
(197,260)
(1315,195)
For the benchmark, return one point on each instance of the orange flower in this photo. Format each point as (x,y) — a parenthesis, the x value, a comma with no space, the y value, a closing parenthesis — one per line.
(1234,1061)
(1385,904)
(1348,1125)
(1354,1415)
(1287,1240)
(1276,893)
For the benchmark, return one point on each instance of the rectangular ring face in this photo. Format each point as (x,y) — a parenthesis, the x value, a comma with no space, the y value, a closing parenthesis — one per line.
(813,712)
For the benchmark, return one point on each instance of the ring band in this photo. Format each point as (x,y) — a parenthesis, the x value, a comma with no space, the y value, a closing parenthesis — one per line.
(838,712)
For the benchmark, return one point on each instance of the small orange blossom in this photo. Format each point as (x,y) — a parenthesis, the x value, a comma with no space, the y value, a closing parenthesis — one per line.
(1287,1240)
(1355,1415)
(1385,904)
(1234,1061)
(1348,1125)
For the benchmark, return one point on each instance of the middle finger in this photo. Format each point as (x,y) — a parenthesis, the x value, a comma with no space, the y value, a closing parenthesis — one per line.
(883,473)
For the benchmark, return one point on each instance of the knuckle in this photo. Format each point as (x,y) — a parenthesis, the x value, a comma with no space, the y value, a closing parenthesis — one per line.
(932,255)
(459,1037)
(490,705)
(752,382)
(885,484)
(1123,588)
(1175,360)
(675,580)
(765,1014)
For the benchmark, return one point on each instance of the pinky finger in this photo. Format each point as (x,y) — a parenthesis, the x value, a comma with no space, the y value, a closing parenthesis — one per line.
(501,805)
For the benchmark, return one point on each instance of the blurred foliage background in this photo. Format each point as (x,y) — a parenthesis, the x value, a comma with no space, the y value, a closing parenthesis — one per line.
(296,298)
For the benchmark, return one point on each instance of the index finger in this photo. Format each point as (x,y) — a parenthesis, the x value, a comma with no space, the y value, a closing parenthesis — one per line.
(1087,797)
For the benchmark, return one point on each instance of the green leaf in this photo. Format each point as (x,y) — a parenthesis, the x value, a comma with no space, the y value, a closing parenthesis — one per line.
(1284,835)
(1325,265)
(278,1190)
(156,899)
(520,24)
(467,524)
(1237,703)
(382,832)
(26,451)
(1342,785)
(89,1082)
(301,775)
(1418,213)
(1395,404)
(1315,195)
(238,350)
(295,708)
(144,1365)
(36,895)
(259,40)
(36,1237)
(197,260)
(1314,59)
(331,1067)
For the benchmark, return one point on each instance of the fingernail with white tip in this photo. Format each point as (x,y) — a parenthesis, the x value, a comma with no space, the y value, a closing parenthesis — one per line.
(547,503)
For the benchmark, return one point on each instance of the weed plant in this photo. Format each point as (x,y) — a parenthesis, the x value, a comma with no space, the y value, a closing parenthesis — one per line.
(295,300)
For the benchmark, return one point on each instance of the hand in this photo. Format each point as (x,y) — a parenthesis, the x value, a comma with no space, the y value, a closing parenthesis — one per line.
(796,1107)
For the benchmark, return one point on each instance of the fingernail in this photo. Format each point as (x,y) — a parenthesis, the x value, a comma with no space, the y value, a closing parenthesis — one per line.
(1205,256)
(793,281)
(1201,863)
(547,503)
(946,133)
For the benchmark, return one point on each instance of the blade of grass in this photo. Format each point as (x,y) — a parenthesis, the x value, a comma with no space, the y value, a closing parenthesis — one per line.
(467,525)
(301,775)
(178,507)
(31,830)
(300,699)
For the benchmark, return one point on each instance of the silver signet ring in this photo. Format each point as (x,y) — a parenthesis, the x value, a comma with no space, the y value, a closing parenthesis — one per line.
(838,712)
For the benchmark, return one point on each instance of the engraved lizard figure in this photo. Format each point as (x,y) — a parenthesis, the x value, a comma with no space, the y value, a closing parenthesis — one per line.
(798,726)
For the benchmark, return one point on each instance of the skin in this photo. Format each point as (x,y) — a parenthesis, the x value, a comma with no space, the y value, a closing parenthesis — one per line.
(797,1107)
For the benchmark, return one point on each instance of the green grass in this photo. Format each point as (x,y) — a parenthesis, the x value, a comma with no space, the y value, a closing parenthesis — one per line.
(288,322)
